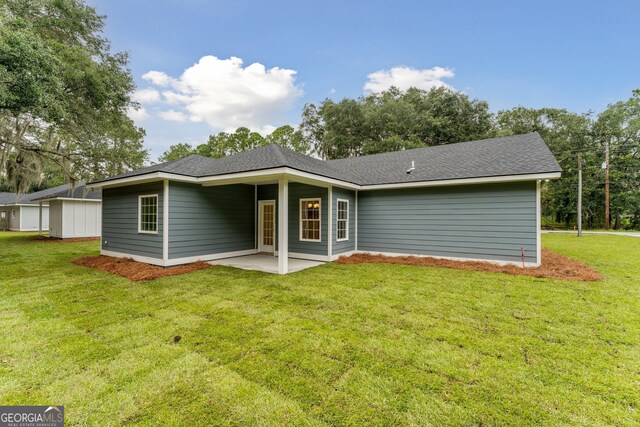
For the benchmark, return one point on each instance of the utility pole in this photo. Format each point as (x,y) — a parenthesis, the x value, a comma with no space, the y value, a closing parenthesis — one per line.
(579,194)
(606,187)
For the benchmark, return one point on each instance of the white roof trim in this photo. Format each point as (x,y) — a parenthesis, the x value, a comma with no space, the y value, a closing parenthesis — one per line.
(35,205)
(71,199)
(447,182)
(140,179)
(258,175)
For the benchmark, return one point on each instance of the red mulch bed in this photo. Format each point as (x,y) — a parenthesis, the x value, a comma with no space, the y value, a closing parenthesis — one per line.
(134,270)
(57,240)
(554,266)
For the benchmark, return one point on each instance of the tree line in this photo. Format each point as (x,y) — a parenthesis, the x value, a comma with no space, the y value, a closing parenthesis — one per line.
(399,120)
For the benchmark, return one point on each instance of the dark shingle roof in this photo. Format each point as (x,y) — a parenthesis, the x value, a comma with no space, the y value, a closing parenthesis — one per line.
(7,198)
(274,156)
(510,155)
(65,192)
(267,157)
(187,166)
(50,193)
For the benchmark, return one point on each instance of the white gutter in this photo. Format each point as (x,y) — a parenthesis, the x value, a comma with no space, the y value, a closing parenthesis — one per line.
(140,179)
(22,204)
(445,182)
(73,199)
(275,173)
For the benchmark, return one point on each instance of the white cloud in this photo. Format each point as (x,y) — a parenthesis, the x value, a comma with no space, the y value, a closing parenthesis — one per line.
(157,78)
(146,95)
(405,77)
(173,116)
(172,97)
(227,95)
(138,115)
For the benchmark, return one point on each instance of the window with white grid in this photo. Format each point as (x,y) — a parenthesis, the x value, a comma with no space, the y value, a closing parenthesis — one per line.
(148,214)
(342,221)
(310,220)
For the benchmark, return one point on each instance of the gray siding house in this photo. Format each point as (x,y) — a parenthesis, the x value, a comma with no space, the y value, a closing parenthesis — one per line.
(475,200)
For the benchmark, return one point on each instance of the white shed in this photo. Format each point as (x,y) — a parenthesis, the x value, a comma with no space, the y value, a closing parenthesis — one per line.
(25,217)
(70,218)
(22,213)
(73,214)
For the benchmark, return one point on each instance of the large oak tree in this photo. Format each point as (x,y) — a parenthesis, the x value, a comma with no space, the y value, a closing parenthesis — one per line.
(63,95)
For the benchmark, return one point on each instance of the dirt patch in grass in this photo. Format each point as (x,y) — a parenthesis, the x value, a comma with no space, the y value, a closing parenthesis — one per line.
(134,270)
(554,266)
(57,240)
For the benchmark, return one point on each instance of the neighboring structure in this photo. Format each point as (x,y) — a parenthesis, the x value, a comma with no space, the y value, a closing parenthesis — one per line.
(5,197)
(470,200)
(70,213)
(74,214)
(22,213)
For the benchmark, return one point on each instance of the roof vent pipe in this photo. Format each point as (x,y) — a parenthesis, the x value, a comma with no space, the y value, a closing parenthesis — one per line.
(412,168)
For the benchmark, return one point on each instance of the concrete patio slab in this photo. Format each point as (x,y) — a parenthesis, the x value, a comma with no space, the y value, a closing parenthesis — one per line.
(266,263)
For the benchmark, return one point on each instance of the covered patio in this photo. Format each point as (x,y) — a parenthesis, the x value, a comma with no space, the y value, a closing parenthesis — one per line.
(266,263)
(282,258)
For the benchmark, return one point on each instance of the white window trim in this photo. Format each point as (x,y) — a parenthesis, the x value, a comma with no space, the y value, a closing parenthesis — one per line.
(346,239)
(319,200)
(140,231)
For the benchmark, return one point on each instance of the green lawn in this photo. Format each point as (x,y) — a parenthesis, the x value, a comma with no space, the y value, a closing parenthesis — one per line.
(333,345)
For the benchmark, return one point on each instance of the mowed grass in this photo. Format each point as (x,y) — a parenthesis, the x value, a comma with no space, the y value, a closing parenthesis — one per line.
(333,345)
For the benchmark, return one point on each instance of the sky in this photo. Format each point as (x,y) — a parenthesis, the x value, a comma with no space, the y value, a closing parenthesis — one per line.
(202,67)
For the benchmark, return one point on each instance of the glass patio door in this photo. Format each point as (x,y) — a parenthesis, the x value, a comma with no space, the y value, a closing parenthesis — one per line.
(266,225)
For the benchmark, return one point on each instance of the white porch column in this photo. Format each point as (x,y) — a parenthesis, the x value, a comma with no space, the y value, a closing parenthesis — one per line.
(165,222)
(40,218)
(330,222)
(283,225)
(356,222)
(538,225)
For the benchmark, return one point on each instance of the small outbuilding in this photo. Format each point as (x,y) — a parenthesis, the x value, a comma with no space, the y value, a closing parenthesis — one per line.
(21,213)
(74,213)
